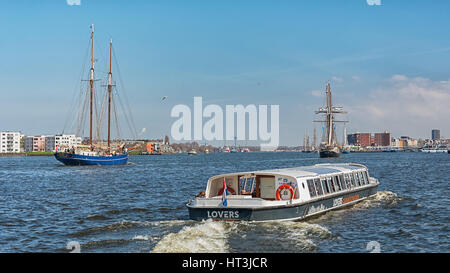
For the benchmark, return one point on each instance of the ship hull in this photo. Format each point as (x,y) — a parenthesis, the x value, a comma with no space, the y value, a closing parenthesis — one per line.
(82,160)
(282,213)
(329,153)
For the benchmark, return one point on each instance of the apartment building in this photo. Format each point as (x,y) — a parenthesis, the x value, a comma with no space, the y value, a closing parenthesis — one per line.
(10,142)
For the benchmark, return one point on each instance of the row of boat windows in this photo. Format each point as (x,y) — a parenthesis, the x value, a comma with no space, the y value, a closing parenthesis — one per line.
(336,183)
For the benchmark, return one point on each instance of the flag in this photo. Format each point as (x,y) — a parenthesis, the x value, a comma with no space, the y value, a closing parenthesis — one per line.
(224,194)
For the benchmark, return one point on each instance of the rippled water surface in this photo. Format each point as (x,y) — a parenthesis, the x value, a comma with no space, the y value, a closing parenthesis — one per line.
(141,207)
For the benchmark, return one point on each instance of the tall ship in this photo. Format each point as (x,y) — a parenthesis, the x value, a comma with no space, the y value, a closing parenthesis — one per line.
(329,146)
(95,152)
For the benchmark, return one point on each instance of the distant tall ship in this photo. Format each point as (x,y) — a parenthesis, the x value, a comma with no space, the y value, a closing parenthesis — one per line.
(98,153)
(329,147)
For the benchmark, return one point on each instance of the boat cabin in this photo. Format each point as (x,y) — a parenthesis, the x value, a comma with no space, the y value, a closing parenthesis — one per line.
(300,183)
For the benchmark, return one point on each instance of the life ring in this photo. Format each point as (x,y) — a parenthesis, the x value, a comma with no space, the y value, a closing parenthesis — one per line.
(230,190)
(285,186)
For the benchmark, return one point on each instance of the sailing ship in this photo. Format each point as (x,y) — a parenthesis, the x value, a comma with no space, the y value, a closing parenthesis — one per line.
(329,147)
(95,153)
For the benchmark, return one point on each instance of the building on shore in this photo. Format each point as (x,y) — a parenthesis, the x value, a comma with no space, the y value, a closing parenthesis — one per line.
(383,139)
(34,144)
(369,139)
(10,142)
(404,142)
(435,134)
(61,141)
(359,139)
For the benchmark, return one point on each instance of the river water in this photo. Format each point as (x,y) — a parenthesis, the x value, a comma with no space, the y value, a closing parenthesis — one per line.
(140,207)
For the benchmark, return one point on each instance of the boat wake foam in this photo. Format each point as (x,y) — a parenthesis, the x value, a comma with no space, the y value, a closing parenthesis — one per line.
(380,198)
(303,234)
(207,236)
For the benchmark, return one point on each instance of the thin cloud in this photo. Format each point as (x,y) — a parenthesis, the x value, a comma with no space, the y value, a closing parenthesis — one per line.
(73,2)
(408,105)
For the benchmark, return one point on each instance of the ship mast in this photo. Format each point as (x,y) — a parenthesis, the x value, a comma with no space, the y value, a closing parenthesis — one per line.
(91,84)
(109,95)
(329,112)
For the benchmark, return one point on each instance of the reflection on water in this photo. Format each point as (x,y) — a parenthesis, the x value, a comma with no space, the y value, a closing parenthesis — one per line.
(141,207)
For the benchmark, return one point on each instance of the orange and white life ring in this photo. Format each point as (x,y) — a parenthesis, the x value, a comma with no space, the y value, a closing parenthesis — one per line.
(283,187)
(230,190)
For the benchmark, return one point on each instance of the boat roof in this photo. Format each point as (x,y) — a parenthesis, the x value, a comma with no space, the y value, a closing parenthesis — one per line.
(306,171)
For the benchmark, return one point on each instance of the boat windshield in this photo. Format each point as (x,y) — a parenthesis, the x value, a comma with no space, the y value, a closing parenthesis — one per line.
(247,184)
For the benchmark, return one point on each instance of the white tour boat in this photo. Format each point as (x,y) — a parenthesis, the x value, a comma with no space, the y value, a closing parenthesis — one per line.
(282,194)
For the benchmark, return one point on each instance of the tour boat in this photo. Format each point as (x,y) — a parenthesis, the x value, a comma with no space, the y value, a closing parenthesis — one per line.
(282,194)
(96,153)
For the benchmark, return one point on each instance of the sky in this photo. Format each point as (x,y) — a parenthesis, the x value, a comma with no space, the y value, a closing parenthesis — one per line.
(388,64)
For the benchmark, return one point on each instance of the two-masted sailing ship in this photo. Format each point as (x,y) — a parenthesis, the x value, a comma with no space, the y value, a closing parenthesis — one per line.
(95,153)
(329,146)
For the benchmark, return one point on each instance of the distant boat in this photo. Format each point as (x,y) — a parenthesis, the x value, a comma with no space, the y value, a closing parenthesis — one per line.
(346,150)
(95,154)
(434,149)
(192,152)
(329,148)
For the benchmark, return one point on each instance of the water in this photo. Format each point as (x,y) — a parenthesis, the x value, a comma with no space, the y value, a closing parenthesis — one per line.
(141,207)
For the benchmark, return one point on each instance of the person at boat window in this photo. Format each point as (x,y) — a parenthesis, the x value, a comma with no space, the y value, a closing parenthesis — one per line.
(312,190)
(330,184)
(336,184)
(325,185)
(247,185)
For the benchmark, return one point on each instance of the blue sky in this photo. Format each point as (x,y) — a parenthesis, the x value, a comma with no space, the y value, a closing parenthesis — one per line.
(388,65)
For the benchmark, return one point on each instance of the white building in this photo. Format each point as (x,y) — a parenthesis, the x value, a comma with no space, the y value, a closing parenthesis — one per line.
(61,141)
(10,142)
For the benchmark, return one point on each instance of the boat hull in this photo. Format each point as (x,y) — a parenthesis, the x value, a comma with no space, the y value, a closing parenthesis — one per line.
(282,213)
(81,160)
(329,153)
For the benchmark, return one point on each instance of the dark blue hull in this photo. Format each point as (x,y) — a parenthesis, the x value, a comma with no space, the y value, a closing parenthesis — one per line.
(79,160)
(328,153)
(288,212)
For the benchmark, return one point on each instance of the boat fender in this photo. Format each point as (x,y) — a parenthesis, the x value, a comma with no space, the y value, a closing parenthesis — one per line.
(282,187)
(230,190)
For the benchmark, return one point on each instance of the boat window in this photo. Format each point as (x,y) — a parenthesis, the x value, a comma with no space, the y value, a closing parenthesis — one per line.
(342,181)
(330,184)
(358,183)
(325,185)
(247,184)
(361,181)
(336,183)
(352,180)
(347,181)
(366,177)
(312,190)
(242,183)
(250,184)
(318,186)
(361,178)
